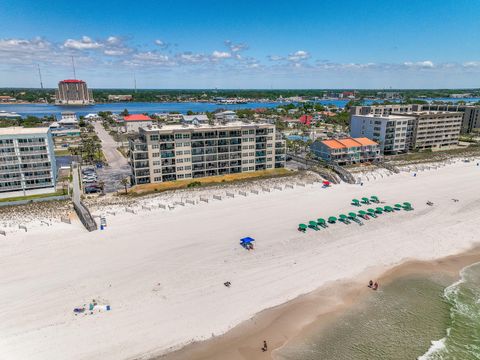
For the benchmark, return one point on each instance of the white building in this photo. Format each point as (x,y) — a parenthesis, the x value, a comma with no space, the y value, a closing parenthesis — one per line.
(226,116)
(136,121)
(190,119)
(404,132)
(27,161)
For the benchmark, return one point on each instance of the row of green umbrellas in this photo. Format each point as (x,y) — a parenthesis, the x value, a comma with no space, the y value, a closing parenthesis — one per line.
(365,200)
(352,215)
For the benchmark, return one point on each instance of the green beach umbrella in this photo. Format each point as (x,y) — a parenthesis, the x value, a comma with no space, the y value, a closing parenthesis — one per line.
(379,210)
(398,206)
(362,213)
(332,219)
(321,221)
(407,204)
(343,216)
(371,210)
(302,226)
(388,208)
(374,198)
(313,223)
(365,200)
(352,215)
(355,201)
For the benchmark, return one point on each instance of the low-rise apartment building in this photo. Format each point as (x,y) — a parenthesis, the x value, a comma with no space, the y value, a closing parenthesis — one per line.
(188,151)
(347,151)
(415,130)
(27,160)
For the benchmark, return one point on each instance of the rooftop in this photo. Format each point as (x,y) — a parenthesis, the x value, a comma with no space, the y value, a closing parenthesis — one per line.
(72,81)
(348,143)
(387,117)
(204,126)
(18,130)
(137,117)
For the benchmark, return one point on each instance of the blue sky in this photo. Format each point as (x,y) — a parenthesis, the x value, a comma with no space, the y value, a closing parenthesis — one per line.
(242,44)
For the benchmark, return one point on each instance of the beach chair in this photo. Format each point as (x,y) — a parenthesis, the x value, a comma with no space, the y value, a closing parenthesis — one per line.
(302,227)
(313,225)
(321,222)
(332,219)
(356,202)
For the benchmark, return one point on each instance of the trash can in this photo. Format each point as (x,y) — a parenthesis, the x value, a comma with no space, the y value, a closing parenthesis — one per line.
(108,307)
(101,227)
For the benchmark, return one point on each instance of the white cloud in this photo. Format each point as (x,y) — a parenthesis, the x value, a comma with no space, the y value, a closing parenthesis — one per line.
(85,43)
(420,64)
(298,56)
(221,55)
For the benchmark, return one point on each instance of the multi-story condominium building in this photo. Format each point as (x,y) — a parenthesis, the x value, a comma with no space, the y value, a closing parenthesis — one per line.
(347,151)
(404,132)
(470,120)
(73,92)
(436,129)
(27,160)
(189,151)
(395,134)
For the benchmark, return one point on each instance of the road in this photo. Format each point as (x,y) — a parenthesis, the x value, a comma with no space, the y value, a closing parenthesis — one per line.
(117,168)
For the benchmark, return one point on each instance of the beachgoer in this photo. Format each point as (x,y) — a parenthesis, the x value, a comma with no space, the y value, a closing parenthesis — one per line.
(375,286)
(265,347)
(370,283)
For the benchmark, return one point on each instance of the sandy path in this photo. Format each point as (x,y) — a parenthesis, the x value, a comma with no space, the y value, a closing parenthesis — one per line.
(163,271)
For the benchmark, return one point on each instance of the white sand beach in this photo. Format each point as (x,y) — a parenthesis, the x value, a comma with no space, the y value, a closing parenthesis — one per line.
(162,271)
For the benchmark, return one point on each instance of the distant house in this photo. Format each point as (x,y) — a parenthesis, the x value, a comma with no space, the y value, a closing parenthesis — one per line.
(120,97)
(135,121)
(226,116)
(306,119)
(190,119)
(347,150)
(6,98)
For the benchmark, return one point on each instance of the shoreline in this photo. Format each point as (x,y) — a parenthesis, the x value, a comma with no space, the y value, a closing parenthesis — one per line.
(296,319)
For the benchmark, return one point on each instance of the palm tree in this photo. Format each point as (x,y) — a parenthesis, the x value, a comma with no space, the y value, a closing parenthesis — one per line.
(125,181)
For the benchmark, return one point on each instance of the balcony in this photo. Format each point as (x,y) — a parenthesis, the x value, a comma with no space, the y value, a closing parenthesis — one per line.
(168,162)
(141,164)
(167,154)
(197,151)
(140,156)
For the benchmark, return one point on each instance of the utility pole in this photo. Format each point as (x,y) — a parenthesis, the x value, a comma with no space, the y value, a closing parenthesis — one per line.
(73,65)
(135,82)
(40,75)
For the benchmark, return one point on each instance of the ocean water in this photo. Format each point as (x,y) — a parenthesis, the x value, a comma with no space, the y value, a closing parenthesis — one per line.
(462,336)
(414,317)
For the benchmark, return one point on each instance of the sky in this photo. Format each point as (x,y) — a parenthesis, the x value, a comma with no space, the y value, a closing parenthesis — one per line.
(230,44)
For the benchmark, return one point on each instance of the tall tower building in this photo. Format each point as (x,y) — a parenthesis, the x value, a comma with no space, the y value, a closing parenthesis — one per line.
(73,92)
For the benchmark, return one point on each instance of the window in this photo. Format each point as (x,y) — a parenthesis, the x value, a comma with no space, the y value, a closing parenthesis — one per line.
(245,132)
(178,136)
(186,144)
(155,146)
(179,152)
(186,136)
(180,176)
(186,152)
(157,171)
(269,152)
(251,168)
(252,154)
(251,147)
(188,175)
(179,160)
(188,168)
(157,179)
(155,154)
(269,145)
(156,163)
(269,166)
(269,131)
(251,161)
(245,169)
(179,168)
(153,137)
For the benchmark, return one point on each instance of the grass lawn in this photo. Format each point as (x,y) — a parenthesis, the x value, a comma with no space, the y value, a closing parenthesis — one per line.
(211,180)
(31,197)
(62,152)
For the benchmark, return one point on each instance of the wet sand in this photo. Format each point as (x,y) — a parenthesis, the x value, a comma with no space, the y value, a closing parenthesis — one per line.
(315,311)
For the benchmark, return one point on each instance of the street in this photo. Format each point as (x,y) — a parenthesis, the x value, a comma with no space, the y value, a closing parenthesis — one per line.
(117,168)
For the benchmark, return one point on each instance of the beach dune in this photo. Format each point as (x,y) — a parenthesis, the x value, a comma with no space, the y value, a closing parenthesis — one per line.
(162,272)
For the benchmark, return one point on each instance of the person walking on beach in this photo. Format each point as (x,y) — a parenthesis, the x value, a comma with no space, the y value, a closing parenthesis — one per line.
(264,348)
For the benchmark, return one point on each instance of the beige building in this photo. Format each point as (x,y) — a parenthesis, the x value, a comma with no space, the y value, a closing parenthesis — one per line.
(414,130)
(73,92)
(189,151)
(470,113)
